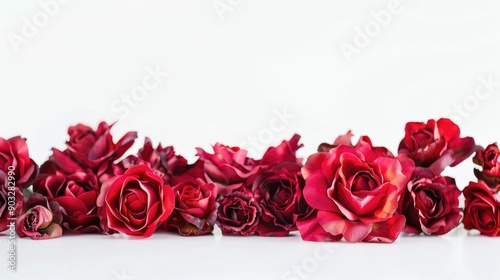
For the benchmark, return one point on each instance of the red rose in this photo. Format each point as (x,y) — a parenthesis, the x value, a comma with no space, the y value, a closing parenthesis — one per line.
(481,209)
(11,198)
(229,168)
(91,148)
(430,204)
(77,194)
(162,159)
(39,219)
(14,152)
(238,214)
(437,142)
(356,192)
(489,160)
(278,191)
(285,152)
(135,203)
(195,208)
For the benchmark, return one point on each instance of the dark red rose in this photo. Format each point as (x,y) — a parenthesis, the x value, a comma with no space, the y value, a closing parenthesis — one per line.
(238,214)
(285,152)
(229,168)
(430,203)
(341,140)
(39,219)
(135,203)
(481,209)
(77,195)
(355,191)
(14,152)
(162,159)
(278,191)
(489,160)
(195,207)
(11,198)
(436,143)
(91,148)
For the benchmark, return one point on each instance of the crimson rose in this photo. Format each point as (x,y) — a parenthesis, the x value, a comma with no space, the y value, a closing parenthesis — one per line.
(11,198)
(355,191)
(489,160)
(430,203)
(278,191)
(195,207)
(77,194)
(481,209)
(135,203)
(238,214)
(437,142)
(14,152)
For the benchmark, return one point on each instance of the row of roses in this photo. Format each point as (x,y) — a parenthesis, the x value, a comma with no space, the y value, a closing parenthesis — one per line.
(356,192)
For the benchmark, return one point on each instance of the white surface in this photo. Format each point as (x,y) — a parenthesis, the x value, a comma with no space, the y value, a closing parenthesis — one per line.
(227,80)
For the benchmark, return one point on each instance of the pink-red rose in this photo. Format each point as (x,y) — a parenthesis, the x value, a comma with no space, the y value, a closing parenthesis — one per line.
(355,191)
(489,161)
(430,204)
(77,195)
(195,207)
(238,214)
(481,209)
(229,168)
(436,142)
(284,152)
(135,203)
(14,152)
(39,218)
(278,191)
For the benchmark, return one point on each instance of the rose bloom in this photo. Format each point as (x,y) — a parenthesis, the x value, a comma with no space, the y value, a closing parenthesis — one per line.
(489,160)
(481,209)
(436,142)
(238,214)
(430,204)
(77,195)
(229,168)
(6,208)
(135,203)
(278,191)
(39,219)
(355,191)
(14,152)
(91,147)
(195,207)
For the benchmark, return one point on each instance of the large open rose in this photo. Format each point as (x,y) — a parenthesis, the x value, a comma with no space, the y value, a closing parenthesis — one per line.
(355,191)
(135,203)
(14,152)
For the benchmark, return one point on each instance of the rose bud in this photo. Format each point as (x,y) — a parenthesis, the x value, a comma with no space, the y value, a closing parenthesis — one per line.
(229,168)
(39,219)
(278,191)
(430,204)
(14,152)
(489,160)
(135,203)
(355,191)
(481,209)
(436,144)
(195,207)
(77,194)
(8,207)
(238,214)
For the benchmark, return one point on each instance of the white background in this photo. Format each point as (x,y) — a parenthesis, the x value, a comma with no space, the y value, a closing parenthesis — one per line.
(229,73)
